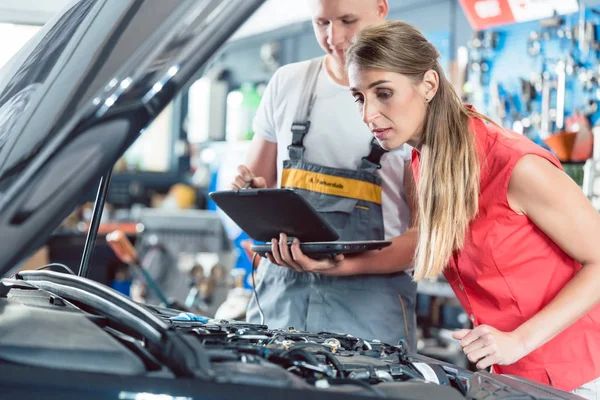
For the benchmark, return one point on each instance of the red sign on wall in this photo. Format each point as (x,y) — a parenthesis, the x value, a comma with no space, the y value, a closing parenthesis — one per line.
(484,14)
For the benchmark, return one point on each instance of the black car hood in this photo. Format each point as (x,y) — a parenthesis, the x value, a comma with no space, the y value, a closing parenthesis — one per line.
(79,93)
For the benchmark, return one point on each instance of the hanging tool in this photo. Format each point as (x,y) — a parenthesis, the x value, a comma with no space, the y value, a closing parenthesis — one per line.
(515,116)
(462,74)
(497,105)
(490,40)
(126,253)
(534,46)
(590,108)
(560,94)
(478,60)
(528,94)
(581,34)
(545,125)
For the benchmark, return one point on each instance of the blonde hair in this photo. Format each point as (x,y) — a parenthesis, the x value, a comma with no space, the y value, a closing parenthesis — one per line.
(449,173)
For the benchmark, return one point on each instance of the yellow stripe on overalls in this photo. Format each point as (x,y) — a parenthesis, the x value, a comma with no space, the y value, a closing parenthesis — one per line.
(331,184)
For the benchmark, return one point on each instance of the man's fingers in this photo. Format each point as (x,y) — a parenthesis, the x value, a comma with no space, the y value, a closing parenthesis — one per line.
(319,267)
(238,183)
(277,256)
(298,255)
(286,256)
(245,173)
(275,252)
(284,249)
(307,264)
(259,182)
(246,178)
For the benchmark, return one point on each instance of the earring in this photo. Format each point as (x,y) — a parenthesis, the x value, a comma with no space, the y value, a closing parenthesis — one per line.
(426,99)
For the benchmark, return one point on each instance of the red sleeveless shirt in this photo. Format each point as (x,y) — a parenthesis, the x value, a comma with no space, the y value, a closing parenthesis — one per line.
(509,269)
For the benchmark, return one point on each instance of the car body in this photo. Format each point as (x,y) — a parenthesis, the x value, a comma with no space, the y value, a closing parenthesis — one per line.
(71,102)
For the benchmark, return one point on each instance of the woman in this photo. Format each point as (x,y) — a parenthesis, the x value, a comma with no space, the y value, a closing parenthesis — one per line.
(512,233)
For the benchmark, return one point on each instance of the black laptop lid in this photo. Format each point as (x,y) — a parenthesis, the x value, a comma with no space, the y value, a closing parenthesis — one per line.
(265,213)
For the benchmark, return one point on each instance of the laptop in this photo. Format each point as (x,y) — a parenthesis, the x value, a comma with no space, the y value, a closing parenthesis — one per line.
(265,213)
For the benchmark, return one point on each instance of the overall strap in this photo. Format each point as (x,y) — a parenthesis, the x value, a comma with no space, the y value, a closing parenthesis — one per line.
(372,162)
(301,122)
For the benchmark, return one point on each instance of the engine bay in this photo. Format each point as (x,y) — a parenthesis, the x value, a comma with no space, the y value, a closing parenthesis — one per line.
(56,321)
(324,360)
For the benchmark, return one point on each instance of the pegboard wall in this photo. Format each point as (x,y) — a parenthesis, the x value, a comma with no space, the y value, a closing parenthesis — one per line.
(507,66)
(534,77)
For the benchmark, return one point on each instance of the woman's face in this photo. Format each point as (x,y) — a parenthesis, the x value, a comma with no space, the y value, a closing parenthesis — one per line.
(392,105)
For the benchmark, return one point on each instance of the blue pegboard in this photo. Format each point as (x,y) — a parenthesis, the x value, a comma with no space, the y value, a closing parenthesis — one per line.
(510,62)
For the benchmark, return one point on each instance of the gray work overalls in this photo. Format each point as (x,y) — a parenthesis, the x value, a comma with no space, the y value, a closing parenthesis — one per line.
(367,306)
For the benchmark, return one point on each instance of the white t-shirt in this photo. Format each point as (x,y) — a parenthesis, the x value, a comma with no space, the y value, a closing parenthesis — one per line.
(337,136)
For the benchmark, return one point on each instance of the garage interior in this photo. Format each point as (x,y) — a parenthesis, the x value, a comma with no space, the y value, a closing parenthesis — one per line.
(536,73)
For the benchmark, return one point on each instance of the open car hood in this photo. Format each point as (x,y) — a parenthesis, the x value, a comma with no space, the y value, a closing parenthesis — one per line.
(79,93)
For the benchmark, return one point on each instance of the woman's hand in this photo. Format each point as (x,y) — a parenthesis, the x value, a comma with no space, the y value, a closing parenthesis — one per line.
(292,257)
(486,346)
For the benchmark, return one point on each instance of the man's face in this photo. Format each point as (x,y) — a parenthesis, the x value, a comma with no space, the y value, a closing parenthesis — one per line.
(336,22)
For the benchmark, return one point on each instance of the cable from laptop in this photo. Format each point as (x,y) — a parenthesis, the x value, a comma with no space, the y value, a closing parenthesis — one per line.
(260,311)
(59,265)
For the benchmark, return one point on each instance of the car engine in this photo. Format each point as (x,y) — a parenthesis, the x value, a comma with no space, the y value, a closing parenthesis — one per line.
(61,322)
(318,360)
(336,362)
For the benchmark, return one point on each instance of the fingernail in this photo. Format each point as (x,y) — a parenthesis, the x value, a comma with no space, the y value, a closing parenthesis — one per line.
(296,241)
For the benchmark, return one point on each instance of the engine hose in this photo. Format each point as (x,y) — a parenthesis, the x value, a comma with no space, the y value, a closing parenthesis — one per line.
(322,350)
(304,354)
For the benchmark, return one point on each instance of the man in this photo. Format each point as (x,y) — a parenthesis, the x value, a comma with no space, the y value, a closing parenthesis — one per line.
(308,129)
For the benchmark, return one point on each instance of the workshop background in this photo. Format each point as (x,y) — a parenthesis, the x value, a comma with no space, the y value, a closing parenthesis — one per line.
(532,65)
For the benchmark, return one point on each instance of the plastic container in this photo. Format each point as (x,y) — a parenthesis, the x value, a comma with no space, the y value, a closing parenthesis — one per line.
(562,144)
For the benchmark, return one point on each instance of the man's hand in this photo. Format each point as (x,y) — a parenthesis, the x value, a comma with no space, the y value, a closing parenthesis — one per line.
(486,346)
(292,257)
(246,179)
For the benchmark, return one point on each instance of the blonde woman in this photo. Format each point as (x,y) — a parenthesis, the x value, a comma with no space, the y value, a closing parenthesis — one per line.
(512,233)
